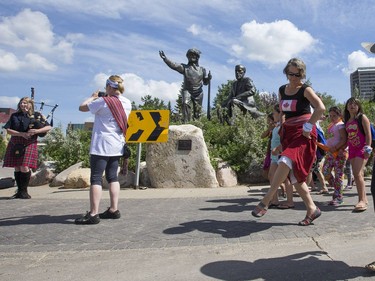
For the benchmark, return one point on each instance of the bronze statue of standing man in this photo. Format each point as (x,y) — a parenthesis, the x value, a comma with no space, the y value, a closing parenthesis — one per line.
(195,77)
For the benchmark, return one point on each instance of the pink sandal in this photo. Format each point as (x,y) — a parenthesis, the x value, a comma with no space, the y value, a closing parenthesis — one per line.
(259,210)
(308,220)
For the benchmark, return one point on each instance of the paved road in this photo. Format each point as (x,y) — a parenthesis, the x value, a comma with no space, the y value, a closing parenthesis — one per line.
(181,234)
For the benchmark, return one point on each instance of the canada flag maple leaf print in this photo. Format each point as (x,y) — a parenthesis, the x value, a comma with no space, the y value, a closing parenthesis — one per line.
(289,105)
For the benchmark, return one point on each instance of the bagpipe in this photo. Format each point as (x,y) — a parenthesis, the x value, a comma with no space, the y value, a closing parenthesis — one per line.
(38,121)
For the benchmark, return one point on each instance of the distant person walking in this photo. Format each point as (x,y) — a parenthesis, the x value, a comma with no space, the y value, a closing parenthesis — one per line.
(359,142)
(107,146)
(336,156)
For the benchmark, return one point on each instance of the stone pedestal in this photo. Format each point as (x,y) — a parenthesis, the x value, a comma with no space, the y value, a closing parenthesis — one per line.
(175,164)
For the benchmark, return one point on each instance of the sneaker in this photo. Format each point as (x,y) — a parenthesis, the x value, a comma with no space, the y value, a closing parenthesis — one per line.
(348,187)
(88,219)
(336,202)
(110,215)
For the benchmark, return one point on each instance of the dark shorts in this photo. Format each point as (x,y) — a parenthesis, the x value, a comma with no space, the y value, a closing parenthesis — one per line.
(99,164)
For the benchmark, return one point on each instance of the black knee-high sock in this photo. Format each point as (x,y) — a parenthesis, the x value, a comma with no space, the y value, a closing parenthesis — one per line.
(17,178)
(24,183)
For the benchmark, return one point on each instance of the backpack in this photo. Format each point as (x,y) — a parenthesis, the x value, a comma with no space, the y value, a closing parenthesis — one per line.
(320,138)
(372,129)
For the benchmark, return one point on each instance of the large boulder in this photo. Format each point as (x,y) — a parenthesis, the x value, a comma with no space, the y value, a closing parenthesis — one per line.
(225,175)
(59,180)
(125,181)
(79,178)
(169,166)
(43,175)
(144,177)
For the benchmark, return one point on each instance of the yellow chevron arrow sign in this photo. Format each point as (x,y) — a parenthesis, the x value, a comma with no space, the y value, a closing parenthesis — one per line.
(147,126)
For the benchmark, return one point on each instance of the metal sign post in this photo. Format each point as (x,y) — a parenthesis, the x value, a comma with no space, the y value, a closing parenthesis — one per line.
(146,126)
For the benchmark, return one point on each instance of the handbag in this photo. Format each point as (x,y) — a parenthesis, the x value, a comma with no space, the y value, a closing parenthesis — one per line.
(127,152)
(18,150)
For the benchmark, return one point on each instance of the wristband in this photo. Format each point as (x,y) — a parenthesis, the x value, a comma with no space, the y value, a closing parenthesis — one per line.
(368,149)
(307,127)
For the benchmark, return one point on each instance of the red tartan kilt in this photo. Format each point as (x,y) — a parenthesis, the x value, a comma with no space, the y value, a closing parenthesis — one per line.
(30,159)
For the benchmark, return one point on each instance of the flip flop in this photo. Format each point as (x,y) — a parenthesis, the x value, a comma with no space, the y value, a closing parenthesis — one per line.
(322,192)
(285,206)
(360,209)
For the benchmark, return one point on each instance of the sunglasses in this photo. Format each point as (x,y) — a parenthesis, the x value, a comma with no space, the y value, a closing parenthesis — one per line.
(294,74)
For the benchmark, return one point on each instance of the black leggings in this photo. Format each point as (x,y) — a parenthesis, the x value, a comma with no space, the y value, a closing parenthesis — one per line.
(99,164)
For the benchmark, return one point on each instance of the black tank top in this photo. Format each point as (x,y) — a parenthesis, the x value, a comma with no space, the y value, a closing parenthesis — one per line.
(294,105)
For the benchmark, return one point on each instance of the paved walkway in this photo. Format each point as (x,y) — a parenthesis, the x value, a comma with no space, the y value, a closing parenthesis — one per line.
(181,234)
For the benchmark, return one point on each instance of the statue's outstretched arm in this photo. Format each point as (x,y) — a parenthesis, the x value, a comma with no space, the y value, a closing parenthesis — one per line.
(173,65)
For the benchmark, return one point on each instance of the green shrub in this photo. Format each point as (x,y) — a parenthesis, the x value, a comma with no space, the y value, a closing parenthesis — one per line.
(240,145)
(66,150)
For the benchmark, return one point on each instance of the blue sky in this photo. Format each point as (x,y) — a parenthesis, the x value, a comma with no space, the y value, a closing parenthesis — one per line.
(66,49)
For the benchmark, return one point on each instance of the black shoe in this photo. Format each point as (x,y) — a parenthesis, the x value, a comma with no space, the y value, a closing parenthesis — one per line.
(17,195)
(109,215)
(88,219)
(24,195)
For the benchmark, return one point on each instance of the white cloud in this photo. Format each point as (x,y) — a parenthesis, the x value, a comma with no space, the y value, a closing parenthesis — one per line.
(27,40)
(358,59)
(136,88)
(194,29)
(8,62)
(272,43)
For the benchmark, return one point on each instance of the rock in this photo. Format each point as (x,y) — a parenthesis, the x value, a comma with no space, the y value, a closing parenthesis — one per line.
(43,175)
(169,167)
(79,178)
(225,175)
(59,180)
(144,178)
(125,181)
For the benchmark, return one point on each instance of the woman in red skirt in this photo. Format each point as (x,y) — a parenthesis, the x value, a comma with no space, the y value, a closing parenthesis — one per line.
(22,150)
(298,138)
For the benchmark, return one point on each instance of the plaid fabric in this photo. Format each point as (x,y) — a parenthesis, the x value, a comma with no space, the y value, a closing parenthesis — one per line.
(30,159)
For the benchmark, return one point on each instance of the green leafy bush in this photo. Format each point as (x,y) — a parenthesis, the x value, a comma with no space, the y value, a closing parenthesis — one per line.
(239,145)
(66,150)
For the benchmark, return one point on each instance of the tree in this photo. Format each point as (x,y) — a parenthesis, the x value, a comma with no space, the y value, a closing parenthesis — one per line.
(3,146)
(150,103)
